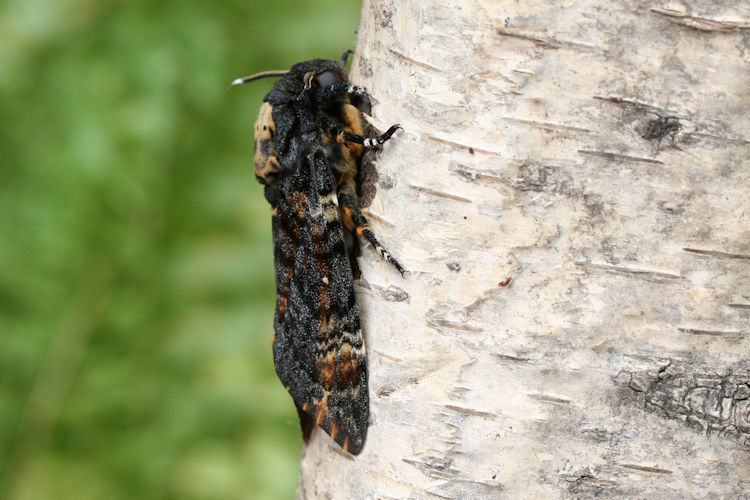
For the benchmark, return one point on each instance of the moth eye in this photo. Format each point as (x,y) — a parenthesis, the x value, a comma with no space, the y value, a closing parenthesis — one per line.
(328,78)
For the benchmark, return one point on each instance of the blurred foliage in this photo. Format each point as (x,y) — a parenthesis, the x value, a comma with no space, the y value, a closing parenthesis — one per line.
(136,275)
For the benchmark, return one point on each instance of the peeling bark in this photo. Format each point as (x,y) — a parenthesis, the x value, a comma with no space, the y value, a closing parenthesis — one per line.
(570,194)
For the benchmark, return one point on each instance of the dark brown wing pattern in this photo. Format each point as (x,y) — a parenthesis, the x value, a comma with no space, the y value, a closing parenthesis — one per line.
(308,146)
(319,350)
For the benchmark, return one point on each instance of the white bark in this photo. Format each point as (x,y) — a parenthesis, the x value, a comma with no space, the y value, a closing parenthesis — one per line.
(615,361)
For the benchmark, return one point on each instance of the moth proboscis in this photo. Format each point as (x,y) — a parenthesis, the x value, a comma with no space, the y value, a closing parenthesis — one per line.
(309,142)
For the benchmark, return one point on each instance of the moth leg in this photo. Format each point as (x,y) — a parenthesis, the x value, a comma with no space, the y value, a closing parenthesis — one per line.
(368,142)
(345,57)
(357,96)
(355,221)
(342,135)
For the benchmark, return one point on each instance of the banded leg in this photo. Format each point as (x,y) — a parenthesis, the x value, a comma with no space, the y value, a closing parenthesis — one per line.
(353,217)
(342,135)
(369,142)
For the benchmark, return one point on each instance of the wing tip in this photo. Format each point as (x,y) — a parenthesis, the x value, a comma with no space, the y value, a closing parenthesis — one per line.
(350,446)
(310,416)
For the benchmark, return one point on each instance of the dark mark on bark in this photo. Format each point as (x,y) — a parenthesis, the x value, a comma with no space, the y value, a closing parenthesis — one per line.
(592,487)
(551,127)
(702,398)
(669,208)
(630,102)
(508,357)
(435,467)
(714,253)
(471,411)
(619,157)
(549,399)
(639,273)
(712,333)
(385,18)
(546,179)
(474,175)
(699,22)
(454,326)
(720,138)
(660,127)
(454,266)
(395,294)
(472,149)
(387,182)
(548,43)
(439,194)
(415,62)
(372,216)
(643,468)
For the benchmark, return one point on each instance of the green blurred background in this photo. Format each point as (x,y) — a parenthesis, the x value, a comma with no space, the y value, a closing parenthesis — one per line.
(136,274)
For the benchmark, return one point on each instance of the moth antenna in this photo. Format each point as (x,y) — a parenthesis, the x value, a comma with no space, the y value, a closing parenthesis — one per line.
(258,76)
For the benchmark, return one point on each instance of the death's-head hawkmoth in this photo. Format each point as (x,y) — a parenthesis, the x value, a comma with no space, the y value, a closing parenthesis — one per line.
(309,141)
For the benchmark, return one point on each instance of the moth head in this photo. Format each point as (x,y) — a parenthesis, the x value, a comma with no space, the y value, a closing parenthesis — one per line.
(328,78)
(301,79)
(325,78)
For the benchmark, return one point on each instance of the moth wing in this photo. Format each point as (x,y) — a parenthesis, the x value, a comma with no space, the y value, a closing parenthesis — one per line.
(319,350)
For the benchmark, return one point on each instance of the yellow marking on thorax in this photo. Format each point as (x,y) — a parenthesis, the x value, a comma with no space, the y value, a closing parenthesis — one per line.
(265,128)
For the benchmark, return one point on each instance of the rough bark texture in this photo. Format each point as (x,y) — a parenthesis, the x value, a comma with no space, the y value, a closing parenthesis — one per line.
(571,195)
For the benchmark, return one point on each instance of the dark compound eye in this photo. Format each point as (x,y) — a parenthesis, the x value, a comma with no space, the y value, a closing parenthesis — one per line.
(328,78)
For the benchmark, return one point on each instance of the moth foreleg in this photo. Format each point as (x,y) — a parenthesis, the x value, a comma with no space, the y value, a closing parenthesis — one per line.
(368,142)
(342,135)
(357,96)
(357,222)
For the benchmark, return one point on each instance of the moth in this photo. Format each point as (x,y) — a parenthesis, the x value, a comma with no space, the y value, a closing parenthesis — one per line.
(309,142)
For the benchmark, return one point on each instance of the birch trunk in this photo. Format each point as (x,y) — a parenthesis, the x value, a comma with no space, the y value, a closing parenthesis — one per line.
(570,195)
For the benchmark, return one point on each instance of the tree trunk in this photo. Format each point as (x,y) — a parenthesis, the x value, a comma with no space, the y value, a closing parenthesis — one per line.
(570,195)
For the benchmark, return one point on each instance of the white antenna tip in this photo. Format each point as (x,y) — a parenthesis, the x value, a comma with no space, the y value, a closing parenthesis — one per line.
(238,81)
